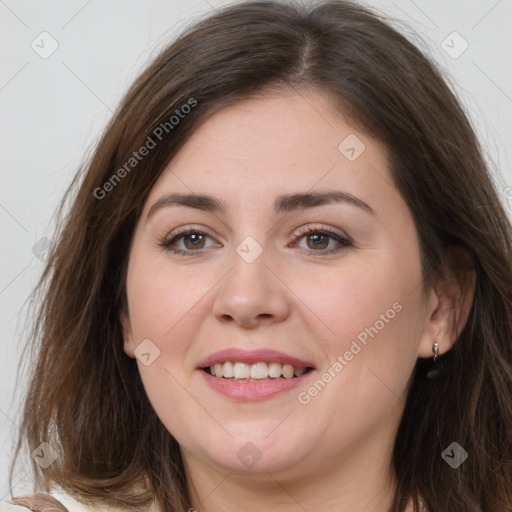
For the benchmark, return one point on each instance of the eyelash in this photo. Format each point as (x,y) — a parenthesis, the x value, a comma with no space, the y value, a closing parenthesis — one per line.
(166,242)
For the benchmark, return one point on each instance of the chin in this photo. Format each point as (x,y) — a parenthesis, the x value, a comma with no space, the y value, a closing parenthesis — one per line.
(256,455)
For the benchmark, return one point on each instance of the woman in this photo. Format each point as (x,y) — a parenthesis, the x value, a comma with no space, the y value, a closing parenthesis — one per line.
(285,282)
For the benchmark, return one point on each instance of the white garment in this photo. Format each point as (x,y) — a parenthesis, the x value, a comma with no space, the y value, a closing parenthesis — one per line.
(69,502)
(9,507)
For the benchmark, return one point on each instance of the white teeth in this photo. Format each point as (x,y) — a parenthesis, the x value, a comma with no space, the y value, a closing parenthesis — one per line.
(259,371)
(242,371)
(275,370)
(256,371)
(288,371)
(300,371)
(228,370)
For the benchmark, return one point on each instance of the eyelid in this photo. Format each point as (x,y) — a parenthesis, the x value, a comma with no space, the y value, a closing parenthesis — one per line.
(307,228)
(187,228)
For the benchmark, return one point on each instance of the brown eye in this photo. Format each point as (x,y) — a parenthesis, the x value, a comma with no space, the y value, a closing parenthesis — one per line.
(191,240)
(195,241)
(318,240)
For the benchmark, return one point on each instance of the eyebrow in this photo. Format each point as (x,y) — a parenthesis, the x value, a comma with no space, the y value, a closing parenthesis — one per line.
(283,204)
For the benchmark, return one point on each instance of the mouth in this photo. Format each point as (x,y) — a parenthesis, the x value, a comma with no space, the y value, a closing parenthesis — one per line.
(237,371)
(254,375)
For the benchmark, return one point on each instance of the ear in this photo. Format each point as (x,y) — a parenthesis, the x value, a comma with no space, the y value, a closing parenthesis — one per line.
(128,347)
(449,302)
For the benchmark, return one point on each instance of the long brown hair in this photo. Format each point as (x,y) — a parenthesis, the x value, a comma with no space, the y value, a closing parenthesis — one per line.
(85,397)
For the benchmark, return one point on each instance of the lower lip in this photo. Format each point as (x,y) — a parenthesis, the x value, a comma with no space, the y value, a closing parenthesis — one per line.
(250,391)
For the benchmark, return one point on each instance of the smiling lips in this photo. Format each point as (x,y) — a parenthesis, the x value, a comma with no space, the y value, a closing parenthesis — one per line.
(253,375)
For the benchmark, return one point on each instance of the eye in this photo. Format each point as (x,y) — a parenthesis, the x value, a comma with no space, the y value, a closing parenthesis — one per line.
(192,240)
(318,240)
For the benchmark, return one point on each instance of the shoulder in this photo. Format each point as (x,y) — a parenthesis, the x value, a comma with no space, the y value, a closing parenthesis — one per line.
(5,506)
(55,501)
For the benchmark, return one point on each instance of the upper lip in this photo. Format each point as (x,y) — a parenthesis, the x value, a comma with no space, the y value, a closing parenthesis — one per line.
(253,356)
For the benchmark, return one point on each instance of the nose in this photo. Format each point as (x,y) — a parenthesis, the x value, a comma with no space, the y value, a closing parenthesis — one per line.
(251,294)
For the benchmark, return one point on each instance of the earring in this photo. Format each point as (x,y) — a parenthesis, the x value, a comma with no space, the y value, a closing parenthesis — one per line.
(434,374)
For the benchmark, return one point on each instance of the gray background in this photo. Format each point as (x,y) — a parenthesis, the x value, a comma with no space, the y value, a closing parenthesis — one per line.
(53,108)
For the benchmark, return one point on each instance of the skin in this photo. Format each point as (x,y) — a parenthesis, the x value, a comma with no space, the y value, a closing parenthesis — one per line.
(334,452)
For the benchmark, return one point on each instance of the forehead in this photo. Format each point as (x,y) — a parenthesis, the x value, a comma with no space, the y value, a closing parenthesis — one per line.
(280,142)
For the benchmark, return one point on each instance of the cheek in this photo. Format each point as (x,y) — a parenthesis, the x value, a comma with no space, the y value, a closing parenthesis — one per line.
(345,303)
(166,311)
(368,322)
(163,300)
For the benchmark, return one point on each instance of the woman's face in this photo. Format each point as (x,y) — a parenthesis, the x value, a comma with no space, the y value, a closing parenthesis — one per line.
(303,257)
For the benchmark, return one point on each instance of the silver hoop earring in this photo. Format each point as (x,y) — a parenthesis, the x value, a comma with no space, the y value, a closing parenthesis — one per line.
(434,373)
